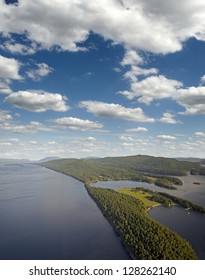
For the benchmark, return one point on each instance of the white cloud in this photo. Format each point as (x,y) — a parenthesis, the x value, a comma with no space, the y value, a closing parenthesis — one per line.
(168,118)
(199,133)
(38,101)
(42,70)
(159,87)
(9,68)
(151,88)
(110,110)
(77,124)
(126,138)
(193,99)
(10,140)
(131,57)
(30,129)
(5,116)
(202,79)
(137,129)
(52,143)
(159,27)
(91,138)
(33,142)
(127,145)
(4,86)
(166,137)
(138,71)
(117,70)
(18,48)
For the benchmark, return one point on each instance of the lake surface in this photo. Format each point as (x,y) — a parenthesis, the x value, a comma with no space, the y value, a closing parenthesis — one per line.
(189,224)
(48,215)
(189,191)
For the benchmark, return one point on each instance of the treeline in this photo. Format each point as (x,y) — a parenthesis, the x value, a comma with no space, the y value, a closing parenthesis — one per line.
(145,238)
(198,171)
(155,196)
(168,199)
(87,171)
(184,203)
(150,164)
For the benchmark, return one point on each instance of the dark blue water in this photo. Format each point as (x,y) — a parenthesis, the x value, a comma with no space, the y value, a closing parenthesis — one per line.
(47,215)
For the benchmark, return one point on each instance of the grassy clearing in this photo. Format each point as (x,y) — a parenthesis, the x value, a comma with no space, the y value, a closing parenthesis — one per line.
(141,195)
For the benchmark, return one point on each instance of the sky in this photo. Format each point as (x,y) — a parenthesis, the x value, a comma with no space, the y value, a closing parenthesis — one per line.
(102,78)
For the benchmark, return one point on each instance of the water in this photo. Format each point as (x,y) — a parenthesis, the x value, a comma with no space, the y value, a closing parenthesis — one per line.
(189,224)
(48,215)
(189,191)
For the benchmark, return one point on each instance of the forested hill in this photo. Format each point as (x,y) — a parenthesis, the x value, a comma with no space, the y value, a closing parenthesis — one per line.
(87,171)
(149,164)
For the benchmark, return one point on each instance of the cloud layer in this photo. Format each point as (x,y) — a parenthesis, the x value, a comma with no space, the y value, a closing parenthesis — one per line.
(160,27)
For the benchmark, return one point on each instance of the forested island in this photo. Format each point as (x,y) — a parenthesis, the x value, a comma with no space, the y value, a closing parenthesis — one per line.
(126,211)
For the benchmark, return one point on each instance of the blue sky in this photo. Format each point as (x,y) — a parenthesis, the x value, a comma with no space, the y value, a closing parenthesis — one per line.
(102,78)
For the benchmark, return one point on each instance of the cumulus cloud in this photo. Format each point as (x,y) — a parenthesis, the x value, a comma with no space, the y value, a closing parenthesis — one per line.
(151,88)
(159,87)
(9,68)
(168,118)
(193,99)
(18,48)
(160,28)
(126,138)
(199,133)
(90,138)
(42,70)
(77,124)
(202,79)
(30,129)
(137,129)
(166,137)
(5,116)
(131,57)
(136,71)
(4,86)
(127,145)
(117,111)
(38,101)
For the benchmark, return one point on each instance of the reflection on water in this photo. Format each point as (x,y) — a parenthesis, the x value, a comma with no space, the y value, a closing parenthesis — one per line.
(47,215)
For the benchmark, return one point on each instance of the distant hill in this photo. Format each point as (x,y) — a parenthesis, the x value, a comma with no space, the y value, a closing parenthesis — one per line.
(13,161)
(48,159)
(192,159)
(149,164)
